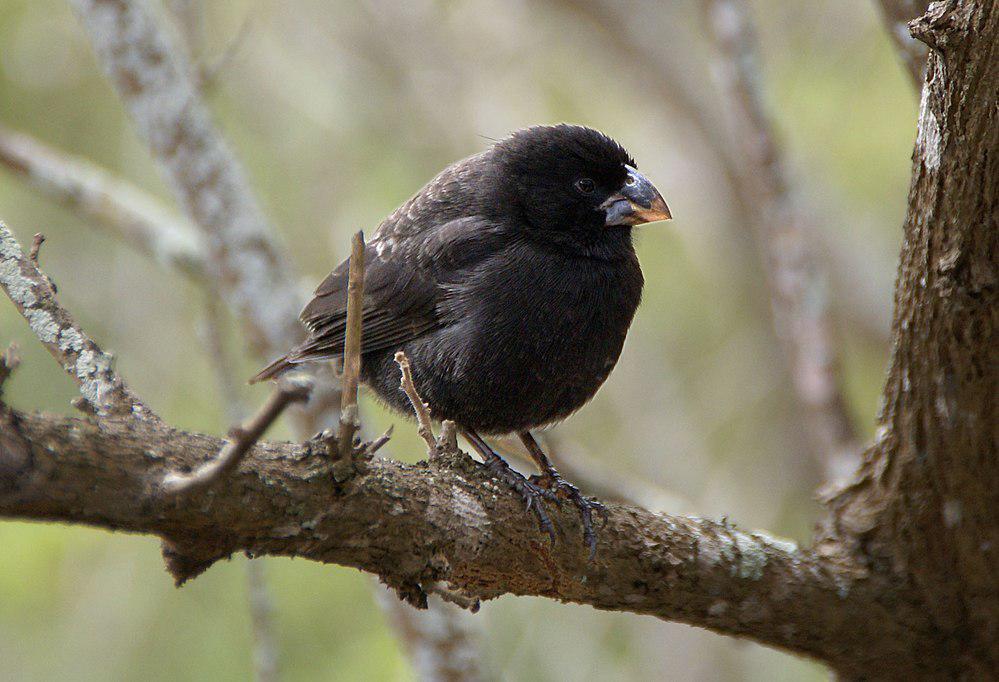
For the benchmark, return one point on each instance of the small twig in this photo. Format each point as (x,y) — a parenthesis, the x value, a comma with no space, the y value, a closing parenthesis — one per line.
(426,429)
(33,253)
(374,446)
(241,440)
(448,440)
(9,360)
(36,246)
(208,73)
(349,422)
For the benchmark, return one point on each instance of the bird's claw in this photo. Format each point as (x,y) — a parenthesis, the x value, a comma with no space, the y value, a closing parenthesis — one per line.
(532,494)
(563,490)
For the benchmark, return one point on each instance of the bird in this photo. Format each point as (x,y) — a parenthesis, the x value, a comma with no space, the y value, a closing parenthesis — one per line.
(509,281)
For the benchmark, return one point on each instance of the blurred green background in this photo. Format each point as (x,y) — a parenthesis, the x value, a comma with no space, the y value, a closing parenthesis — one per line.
(340,110)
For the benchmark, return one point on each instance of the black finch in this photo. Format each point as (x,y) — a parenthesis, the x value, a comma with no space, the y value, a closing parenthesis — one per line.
(510,281)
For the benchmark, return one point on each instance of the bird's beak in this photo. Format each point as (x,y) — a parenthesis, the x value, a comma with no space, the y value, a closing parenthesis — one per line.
(638,202)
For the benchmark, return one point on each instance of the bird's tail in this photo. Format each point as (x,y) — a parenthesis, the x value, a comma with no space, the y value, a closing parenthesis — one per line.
(275,369)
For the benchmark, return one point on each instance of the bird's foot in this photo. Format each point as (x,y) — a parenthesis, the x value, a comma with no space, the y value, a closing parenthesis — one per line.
(553,482)
(532,494)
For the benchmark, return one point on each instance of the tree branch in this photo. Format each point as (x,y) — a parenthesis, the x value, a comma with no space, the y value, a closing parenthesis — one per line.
(413,525)
(797,290)
(91,368)
(417,525)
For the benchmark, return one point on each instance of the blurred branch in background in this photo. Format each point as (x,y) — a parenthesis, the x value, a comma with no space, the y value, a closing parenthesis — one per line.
(442,641)
(612,22)
(615,24)
(799,295)
(108,202)
(266,652)
(896,15)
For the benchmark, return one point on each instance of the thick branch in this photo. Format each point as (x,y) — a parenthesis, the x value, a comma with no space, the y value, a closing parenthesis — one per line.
(445,521)
(797,289)
(91,368)
(108,202)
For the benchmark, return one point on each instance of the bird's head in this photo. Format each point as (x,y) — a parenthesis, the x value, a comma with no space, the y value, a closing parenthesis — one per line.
(573,183)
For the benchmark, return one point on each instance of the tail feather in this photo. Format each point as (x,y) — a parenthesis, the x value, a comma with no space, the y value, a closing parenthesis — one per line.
(273,370)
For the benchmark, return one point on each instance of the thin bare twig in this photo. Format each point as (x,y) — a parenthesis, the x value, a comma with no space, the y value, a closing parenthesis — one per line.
(448,440)
(797,288)
(109,202)
(241,439)
(209,72)
(349,422)
(426,429)
(463,601)
(36,247)
(92,369)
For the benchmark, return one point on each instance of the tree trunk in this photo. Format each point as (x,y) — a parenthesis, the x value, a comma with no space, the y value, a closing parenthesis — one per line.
(925,509)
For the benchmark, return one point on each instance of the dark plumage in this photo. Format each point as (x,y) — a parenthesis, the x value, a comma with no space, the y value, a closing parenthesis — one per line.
(510,282)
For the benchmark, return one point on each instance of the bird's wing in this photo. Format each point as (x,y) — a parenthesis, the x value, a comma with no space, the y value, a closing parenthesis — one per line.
(404,286)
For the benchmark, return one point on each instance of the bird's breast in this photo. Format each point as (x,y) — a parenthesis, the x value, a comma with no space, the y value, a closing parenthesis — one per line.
(534,337)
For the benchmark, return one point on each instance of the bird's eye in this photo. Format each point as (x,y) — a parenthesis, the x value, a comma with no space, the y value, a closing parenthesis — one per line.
(585,185)
(630,180)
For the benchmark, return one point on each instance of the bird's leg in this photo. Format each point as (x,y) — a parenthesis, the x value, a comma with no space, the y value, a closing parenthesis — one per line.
(551,479)
(532,493)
